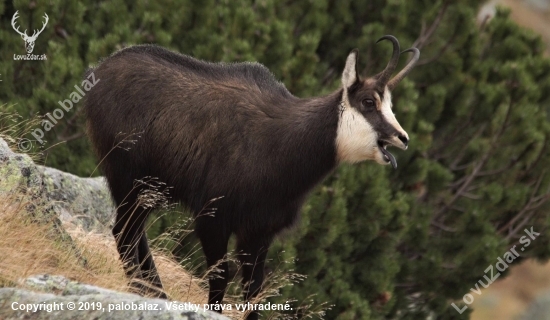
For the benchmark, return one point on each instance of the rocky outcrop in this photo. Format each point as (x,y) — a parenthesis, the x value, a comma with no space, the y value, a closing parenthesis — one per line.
(52,194)
(75,300)
(85,202)
(539,309)
(67,202)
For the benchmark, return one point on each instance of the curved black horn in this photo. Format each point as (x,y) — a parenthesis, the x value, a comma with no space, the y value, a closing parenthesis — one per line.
(384,76)
(393,82)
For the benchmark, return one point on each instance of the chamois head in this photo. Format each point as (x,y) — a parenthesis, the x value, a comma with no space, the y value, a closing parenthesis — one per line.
(367,124)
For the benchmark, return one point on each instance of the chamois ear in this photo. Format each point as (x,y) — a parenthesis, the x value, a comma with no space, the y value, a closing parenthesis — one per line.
(349,76)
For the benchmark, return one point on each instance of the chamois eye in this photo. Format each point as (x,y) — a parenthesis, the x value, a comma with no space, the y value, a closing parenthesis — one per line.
(368,104)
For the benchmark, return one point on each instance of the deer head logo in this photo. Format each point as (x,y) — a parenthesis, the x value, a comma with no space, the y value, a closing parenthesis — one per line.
(29,41)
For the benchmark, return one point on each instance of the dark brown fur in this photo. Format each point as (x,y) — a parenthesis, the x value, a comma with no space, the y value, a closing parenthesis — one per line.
(208,130)
(211,130)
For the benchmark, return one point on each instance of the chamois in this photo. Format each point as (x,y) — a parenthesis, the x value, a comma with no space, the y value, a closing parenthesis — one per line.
(228,131)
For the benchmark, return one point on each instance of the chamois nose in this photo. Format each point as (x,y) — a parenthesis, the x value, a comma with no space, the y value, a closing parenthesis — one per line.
(403,139)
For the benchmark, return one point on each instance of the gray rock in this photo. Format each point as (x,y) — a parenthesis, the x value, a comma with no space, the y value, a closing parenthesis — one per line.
(55,198)
(67,201)
(85,202)
(543,5)
(539,309)
(22,182)
(93,302)
(20,179)
(54,194)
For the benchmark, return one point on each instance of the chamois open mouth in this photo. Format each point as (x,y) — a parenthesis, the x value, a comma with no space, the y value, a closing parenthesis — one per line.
(382,145)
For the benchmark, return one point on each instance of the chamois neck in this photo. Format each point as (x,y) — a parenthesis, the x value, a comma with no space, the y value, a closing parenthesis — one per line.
(317,111)
(311,139)
(320,114)
(327,101)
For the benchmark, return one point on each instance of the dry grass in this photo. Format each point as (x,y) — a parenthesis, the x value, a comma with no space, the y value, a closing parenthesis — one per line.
(28,248)
(14,128)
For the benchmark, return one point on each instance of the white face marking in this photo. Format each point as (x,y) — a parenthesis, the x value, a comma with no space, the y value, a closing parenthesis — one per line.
(387,112)
(356,140)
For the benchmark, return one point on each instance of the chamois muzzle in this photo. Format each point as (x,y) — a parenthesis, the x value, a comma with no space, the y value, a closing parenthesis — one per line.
(399,141)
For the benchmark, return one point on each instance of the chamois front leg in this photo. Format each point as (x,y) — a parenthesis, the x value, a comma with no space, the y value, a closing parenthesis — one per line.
(214,240)
(134,251)
(252,255)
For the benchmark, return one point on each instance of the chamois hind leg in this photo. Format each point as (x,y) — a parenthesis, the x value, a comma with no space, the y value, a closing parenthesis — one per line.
(214,238)
(132,246)
(252,254)
(148,268)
